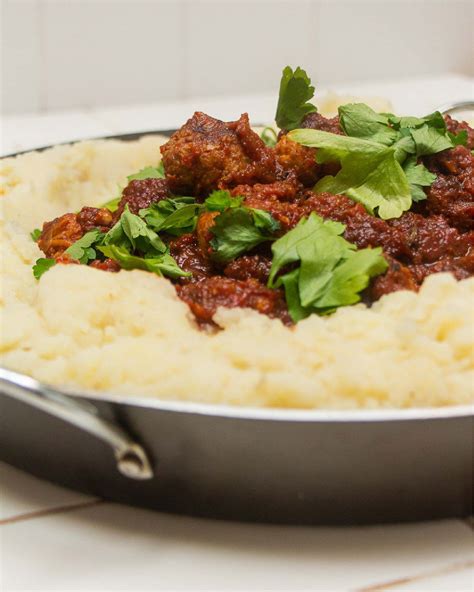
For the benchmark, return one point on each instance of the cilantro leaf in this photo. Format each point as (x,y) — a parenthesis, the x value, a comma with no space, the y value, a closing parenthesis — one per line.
(82,250)
(112,204)
(239,229)
(221,200)
(148,172)
(176,215)
(370,172)
(162,265)
(269,136)
(41,266)
(331,272)
(360,121)
(418,176)
(35,234)
(131,231)
(295,92)
(430,140)
(459,139)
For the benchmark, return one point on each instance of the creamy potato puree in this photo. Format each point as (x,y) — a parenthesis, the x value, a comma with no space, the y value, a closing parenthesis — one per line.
(128,332)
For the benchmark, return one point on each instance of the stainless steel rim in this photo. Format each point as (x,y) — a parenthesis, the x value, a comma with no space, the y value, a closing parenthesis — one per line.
(264,413)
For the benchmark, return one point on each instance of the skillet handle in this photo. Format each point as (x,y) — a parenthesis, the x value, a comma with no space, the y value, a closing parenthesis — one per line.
(132,460)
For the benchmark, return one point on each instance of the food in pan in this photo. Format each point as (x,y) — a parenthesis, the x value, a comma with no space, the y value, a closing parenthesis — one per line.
(328,265)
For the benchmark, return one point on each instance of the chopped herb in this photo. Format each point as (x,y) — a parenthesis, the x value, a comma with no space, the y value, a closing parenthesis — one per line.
(418,176)
(131,232)
(162,265)
(41,266)
(293,105)
(221,200)
(35,234)
(175,215)
(113,204)
(239,229)
(148,173)
(378,157)
(331,272)
(83,249)
(269,136)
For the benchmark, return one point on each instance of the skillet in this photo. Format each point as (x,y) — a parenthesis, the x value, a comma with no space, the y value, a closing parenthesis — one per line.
(238,463)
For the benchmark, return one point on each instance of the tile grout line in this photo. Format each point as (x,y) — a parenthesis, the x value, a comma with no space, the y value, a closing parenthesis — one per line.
(51,511)
(392,584)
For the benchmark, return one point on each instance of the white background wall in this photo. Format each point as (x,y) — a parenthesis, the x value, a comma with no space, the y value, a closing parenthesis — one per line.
(59,54)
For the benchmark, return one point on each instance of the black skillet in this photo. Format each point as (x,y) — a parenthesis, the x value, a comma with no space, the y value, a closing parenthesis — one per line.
(266,465)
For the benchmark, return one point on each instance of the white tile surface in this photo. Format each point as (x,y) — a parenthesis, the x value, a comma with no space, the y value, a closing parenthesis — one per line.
(20,55)
(22,494)
(114,547)
(460,580)
(251,42)
(391,38)
(110,52)
(22,132)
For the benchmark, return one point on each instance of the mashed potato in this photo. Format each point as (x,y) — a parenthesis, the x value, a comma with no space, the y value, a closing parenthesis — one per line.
(128,333)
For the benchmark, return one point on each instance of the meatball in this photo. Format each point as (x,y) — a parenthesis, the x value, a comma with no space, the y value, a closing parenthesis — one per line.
(207,154)
(206,296)
(190,258)
(397,277)
(249,266)
(301,160)
(59,234)
(452,193)
(362,229)
(282,199)
(203,232)
(90,218)
(431,238)
(141,193)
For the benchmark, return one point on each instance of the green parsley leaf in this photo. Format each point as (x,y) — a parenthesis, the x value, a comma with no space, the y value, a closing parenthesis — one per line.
(430,140)
(269,136)
(240,229)
(174,215)
(149,172)
(221,200)
(360,121)
(370,172)
(459,139)
(132,232)
(331,272)
(162,265)
(41,266)
(295,92)
(35,234)
(418,176)
(82,250)
(113,204)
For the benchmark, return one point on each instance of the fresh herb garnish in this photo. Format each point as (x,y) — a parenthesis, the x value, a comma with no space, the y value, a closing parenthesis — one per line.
(221,200)
(331,271)
(378,157)
(176,215)
(41,266)
(269,136)
(240,229)
(293,101)
(35,234)
(132,233)
(148,172)
(162,265)
(83,249)
(113,204)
